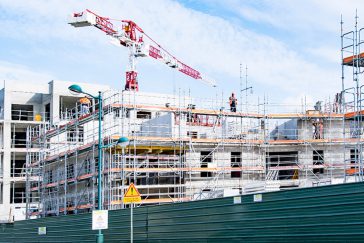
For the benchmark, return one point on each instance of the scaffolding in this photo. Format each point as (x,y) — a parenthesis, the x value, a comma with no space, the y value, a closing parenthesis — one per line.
(181,149)
(352,62)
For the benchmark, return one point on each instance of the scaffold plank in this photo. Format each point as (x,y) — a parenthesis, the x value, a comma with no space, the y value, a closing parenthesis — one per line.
(227,113)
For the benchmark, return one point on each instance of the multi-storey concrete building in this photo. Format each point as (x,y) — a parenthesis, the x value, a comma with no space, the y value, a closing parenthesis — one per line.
(183,148)
(23,106)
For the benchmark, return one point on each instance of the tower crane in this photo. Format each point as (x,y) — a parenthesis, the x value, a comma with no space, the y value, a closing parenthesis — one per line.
(139,44)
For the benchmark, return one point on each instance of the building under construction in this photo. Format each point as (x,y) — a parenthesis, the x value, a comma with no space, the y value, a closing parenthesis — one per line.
(183,148)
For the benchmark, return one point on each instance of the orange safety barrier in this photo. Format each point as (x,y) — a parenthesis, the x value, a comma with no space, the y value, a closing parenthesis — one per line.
(350,60)
(353,114)
(352,171)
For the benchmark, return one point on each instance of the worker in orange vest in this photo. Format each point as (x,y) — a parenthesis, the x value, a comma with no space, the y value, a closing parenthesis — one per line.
(85,105)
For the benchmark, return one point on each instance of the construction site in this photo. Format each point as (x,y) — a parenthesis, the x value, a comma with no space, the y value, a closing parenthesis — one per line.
(181,148)
(121,159)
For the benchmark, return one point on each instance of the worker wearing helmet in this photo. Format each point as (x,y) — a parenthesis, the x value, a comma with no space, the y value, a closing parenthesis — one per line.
(233,102)
(85,105)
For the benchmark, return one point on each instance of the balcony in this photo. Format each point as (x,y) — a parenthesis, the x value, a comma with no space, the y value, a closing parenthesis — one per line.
(26,113)
(22,112)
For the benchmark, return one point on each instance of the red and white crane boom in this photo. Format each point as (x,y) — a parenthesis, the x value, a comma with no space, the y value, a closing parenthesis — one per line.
(139,44)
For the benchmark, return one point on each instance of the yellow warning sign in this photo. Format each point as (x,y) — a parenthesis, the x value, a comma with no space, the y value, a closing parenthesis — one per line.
(132,195)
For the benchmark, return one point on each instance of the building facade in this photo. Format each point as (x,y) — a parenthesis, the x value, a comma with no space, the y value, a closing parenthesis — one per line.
(24,106)
(182,149)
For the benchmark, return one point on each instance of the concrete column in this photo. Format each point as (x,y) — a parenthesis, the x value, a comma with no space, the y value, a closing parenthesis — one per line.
(55,108)
(7,163)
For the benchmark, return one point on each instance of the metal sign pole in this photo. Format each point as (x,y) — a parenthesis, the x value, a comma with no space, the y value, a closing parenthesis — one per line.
(131,222)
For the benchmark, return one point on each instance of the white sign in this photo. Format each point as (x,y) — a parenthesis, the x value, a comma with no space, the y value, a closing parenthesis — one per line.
(237,200)
(42,230)
(258,197)
(100,219)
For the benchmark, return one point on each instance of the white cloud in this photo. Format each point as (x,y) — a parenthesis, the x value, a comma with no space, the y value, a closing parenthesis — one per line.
(296,16)
(327,54)
(212,44)
(15,72)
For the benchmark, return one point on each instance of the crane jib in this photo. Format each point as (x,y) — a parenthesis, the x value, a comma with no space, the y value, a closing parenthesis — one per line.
(189,71)
(133,37)
(154,52)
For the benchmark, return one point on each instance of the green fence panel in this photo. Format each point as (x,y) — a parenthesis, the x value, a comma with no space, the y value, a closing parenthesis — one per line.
(332,213)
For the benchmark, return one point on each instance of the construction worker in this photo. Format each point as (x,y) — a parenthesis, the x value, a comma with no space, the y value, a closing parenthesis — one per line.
(336,103)
(321,129)
(85,105)
(315,129)
(233,101)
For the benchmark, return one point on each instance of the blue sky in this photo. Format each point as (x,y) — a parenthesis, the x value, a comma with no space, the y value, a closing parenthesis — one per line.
(291,48)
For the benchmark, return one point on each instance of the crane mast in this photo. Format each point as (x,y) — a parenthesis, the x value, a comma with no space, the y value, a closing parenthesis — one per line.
(139,44)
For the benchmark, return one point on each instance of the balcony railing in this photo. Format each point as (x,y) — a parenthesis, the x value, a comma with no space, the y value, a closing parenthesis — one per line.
(24,115)
(18,172)
(18,143)
(18,197)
